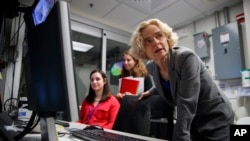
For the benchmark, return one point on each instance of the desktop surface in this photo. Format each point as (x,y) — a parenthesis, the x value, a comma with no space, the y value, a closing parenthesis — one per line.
(65,134)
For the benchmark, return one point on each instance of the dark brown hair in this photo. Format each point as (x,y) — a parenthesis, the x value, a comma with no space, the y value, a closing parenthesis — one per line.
(106,91)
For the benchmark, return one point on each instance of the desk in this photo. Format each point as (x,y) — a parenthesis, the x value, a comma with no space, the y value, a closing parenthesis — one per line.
(37,137)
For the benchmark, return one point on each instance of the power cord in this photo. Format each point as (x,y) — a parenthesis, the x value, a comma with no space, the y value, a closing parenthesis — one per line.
(30,126)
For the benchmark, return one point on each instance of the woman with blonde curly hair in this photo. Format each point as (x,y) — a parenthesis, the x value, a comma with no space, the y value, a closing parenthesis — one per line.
(203,111)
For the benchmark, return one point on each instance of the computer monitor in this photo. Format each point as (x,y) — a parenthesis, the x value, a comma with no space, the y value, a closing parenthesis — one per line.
(48,64)
(41,11)
(38,12)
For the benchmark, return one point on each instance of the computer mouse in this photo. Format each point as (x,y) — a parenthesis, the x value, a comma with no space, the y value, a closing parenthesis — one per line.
(93,127)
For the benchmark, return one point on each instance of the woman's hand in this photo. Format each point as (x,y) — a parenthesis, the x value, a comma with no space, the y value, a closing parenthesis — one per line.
(144,94)
(120,95)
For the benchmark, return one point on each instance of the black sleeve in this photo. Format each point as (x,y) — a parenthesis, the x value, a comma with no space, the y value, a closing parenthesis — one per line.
(147,83)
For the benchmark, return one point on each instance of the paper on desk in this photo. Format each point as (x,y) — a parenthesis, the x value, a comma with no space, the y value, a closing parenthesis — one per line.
(134,85)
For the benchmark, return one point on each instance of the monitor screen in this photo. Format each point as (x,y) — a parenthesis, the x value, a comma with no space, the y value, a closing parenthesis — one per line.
(41,11)
(48,64)
(38,12)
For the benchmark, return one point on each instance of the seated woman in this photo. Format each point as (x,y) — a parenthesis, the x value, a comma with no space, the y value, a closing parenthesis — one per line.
(100,107)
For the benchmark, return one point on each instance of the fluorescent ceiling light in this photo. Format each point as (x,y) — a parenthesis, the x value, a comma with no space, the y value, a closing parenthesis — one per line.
(82,47)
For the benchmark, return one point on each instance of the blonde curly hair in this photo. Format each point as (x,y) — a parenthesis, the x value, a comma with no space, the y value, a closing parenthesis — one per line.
(137,47)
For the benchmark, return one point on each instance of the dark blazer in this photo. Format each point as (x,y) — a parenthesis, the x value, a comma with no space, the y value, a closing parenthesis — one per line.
(201,105)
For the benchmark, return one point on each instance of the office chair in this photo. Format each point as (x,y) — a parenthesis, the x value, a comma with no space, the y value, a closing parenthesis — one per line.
(161,115)
(133,116)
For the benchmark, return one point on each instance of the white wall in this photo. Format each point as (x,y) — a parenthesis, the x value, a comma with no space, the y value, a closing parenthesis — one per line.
(206,25)
(246,6)
(232,89)
(83,82)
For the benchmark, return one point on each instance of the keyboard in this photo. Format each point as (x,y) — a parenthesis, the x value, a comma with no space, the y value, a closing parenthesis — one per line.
(101,135)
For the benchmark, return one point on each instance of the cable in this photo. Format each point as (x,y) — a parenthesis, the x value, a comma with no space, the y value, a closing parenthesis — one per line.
(30,126)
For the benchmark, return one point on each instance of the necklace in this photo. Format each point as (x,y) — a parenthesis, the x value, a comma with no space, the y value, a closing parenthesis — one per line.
(96,100)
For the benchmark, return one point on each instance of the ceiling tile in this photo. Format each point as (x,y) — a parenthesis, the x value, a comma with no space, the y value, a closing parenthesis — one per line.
(124,14)
(99,7)
(148,7)
(177,13)
(210,6)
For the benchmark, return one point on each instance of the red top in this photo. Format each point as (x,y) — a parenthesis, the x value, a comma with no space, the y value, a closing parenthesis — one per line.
(104,114)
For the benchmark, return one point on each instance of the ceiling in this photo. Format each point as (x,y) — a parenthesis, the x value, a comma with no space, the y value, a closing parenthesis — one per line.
(126,14)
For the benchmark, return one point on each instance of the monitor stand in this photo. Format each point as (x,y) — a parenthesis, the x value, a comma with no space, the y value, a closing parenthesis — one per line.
(48,129)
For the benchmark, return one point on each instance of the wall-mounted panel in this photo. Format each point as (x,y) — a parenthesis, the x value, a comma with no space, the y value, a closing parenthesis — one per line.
(228,51)
(201,45)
